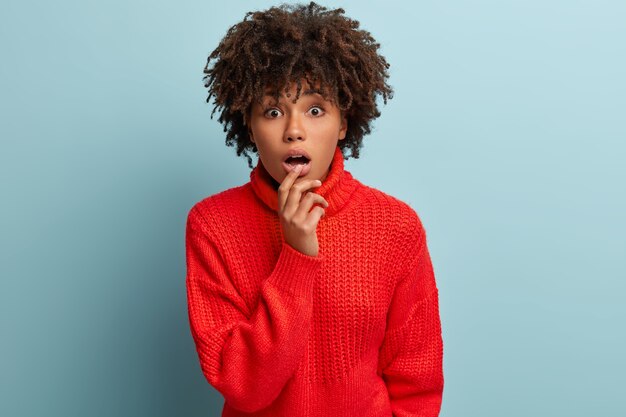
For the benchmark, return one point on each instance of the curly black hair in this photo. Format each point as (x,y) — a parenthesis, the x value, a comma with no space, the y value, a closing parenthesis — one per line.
(290,43)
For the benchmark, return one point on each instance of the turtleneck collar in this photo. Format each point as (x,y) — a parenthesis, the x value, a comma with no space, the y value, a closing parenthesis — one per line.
(337,187)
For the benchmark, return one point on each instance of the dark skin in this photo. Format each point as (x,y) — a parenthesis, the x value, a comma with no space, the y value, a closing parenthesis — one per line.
(298,221)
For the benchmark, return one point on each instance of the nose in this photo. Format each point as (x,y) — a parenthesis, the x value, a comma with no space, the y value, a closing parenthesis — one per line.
(294,129)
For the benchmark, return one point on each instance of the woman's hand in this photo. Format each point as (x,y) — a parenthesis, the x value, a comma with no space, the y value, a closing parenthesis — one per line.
(298,224)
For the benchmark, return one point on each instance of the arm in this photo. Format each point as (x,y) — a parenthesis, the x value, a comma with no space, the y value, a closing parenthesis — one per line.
(247,356)
(411,355)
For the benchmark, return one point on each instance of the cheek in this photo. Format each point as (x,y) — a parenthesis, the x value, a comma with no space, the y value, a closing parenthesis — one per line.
(330,125)
(330,130)
(262,129)
(257,133)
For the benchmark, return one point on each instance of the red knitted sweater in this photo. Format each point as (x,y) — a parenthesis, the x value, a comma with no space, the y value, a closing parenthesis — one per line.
(354,331)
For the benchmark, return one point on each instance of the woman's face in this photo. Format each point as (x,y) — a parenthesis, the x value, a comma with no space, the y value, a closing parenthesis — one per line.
(312,126)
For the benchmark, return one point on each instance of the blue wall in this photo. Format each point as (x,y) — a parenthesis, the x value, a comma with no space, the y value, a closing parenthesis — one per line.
(506,134)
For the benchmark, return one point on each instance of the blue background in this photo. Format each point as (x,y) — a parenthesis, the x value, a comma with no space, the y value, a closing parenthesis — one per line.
(506,134)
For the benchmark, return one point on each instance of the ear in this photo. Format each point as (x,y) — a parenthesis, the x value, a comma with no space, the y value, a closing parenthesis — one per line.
(343,128)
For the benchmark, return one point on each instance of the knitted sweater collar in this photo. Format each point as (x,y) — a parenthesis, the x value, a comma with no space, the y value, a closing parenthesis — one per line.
(337,187)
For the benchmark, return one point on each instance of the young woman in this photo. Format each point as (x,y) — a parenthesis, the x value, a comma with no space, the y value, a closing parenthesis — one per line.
(309,293)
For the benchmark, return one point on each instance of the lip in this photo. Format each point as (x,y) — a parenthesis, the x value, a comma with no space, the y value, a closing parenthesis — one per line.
(297,151)
(305,169)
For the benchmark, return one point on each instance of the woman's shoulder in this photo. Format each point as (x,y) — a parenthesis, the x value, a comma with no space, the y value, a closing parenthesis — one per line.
(394,211)
(393,220)
(219,204)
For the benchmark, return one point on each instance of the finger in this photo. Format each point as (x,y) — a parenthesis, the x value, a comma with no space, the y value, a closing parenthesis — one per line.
(283,189)
(314,217)
(296,193)
(308,201)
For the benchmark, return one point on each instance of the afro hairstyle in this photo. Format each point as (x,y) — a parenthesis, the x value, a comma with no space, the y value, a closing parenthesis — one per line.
(274,48)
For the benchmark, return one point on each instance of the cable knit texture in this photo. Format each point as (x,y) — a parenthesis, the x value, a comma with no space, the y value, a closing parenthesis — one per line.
(353,331)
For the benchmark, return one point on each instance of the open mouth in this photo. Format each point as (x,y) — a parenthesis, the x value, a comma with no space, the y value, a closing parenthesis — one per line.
(295,160)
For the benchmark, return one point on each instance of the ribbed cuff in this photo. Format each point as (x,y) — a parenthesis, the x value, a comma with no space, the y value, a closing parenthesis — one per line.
(295,272)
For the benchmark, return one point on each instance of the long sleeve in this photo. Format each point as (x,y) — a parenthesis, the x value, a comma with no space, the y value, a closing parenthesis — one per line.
(247,356)
(411,355)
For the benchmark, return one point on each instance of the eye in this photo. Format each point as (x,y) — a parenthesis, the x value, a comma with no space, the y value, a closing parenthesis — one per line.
(272,113)
(316,111)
